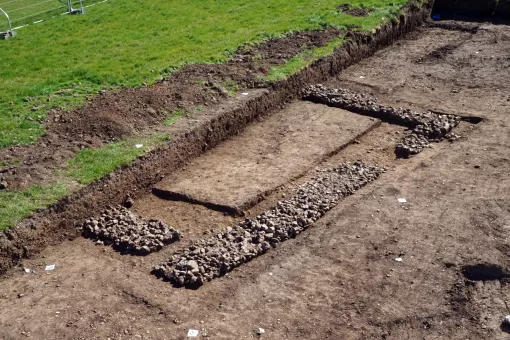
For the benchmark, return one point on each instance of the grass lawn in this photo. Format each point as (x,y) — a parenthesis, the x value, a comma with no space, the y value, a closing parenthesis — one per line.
(14,206)
(126,43)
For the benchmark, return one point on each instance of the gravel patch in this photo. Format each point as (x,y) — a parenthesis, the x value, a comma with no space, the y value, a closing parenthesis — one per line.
(220,253)
(126,232)
(425,127)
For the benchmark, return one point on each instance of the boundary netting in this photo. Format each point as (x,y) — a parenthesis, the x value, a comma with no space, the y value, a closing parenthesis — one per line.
(27,12)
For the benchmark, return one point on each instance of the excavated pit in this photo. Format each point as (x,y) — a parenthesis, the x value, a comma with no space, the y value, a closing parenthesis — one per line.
(239,173)
(340,278)
(484,272)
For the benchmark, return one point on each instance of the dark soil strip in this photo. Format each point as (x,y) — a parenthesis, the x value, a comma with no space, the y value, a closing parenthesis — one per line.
(223,252)
(175,196)
(60,221)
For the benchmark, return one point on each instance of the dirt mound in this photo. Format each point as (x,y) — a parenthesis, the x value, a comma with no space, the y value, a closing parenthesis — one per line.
(355,12)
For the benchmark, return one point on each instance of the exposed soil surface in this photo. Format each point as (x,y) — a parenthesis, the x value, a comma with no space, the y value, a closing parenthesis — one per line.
(238,174)
(113,115)
(433,267)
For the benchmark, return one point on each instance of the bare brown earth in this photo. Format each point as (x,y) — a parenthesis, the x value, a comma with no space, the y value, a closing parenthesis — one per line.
(339,279)
(240,172)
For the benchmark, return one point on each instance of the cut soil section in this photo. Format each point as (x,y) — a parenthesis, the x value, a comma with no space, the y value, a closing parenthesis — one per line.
(224,251)
(239,173)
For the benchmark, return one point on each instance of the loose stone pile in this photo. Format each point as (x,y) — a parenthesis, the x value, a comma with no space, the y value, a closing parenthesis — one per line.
(427,127)
(214,256)
(126,232)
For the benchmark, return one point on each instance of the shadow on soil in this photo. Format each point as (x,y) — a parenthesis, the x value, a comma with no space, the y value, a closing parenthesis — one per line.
(495,11)
(484,272)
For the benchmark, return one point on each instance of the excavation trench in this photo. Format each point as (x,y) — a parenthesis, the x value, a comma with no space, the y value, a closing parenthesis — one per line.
(240,172)
(368,261)
(62,220)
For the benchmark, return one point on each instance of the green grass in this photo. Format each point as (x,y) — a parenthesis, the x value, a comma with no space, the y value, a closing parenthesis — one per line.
(92,164)
(302,60)
(174,117)
(125,43)
(14,206)
(11,162)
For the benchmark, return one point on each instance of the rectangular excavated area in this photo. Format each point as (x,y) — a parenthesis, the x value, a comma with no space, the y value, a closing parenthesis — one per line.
(236,175)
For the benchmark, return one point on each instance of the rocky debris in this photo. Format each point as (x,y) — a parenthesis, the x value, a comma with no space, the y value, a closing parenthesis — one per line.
(426,127)
(3,185)
(128,202)
(220,253)
(128,233)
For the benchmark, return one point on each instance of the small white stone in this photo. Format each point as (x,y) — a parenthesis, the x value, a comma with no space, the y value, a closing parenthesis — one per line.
(506,320)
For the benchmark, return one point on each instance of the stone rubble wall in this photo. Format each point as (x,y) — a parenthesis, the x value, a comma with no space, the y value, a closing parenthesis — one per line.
(128,233)
(220,253)
(426,127)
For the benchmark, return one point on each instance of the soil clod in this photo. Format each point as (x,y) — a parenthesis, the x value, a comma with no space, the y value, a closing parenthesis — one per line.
(353,11)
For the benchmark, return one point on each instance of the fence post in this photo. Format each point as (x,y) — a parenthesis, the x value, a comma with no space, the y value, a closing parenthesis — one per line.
(10,33)
(74,11)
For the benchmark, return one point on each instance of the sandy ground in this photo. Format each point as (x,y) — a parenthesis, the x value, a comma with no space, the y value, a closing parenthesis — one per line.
(339,279)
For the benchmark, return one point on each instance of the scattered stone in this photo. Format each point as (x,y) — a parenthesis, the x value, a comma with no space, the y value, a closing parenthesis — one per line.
(426,127)
(506,320)
(223,251)
(128,233)
(128,202)
(3,185)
